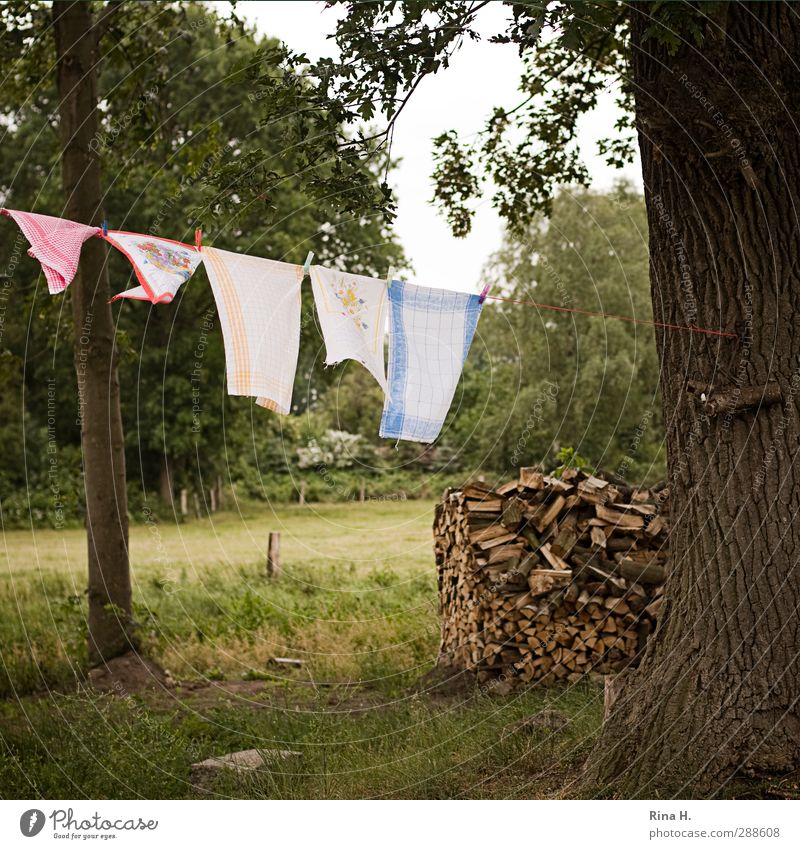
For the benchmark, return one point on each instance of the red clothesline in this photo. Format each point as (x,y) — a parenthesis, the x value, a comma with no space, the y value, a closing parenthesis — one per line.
(691,327)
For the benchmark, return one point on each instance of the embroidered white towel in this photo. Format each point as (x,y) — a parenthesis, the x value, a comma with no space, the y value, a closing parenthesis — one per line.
(162,266)
(352,313)
(258,301)
(430,332)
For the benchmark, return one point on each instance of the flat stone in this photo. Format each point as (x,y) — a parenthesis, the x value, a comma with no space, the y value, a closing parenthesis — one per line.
(241,763)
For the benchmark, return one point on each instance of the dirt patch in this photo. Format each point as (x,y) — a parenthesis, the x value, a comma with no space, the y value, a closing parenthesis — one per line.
(302,696)
(344,698)
(210,694)
(551,721)
(129,673)
(446,681)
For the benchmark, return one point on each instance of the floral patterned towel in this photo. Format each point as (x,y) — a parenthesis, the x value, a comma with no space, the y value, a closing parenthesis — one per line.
(162,266)
(352,313)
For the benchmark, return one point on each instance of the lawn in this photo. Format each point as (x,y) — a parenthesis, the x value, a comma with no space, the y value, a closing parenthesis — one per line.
(356,602)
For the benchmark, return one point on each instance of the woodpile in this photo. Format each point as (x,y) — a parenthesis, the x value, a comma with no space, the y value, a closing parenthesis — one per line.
(549,578)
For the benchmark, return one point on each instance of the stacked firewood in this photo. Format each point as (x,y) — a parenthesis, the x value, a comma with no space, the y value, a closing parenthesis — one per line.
(548,578)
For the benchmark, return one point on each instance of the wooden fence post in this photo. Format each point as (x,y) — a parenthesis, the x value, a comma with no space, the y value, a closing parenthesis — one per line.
(274,555)
(184,503)
(302,498)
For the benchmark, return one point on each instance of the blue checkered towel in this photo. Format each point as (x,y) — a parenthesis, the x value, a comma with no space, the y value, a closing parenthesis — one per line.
(430,333)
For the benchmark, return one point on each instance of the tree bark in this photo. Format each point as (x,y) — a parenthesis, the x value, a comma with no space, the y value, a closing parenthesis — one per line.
(165,479)
(717,694)
(110,613)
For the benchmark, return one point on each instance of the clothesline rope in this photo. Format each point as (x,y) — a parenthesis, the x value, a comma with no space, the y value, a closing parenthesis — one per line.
(691,327)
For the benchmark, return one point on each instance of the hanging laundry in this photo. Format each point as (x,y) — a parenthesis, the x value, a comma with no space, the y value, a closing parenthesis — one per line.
(55,242)
(352,313)
(258,301)
(162,266)
(430,331)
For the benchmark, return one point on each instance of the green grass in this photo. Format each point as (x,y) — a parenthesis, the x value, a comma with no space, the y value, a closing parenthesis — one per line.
(100,747)
(356,601)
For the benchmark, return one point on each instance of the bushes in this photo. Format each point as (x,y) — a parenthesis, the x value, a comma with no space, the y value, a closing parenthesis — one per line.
(329,486)
(51,496)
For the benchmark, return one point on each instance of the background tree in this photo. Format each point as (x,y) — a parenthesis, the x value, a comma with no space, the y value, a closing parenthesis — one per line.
(170,434)
(136,135)
(111,627)
(539,380)
(712,98)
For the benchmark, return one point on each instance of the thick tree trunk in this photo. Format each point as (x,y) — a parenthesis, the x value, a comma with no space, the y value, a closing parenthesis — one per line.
(717,693)
(110,620)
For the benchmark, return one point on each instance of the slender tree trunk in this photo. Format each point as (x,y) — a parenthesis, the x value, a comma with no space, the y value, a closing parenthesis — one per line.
(165,479)
(717,693)
(110,620)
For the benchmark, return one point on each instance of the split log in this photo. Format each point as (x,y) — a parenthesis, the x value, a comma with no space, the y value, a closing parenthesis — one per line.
(650,572)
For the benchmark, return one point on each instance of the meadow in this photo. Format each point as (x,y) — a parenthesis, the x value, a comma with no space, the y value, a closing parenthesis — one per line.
(356,603)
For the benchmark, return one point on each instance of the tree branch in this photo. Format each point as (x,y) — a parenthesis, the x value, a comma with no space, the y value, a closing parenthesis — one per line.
(106,17)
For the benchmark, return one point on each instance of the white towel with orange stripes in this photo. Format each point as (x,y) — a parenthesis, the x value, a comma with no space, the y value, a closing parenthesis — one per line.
(258,301)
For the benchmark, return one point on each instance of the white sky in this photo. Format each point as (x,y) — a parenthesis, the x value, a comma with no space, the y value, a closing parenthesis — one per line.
(480,76)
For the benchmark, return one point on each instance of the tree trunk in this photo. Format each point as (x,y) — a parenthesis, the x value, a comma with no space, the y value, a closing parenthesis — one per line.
(220,494)
(717,692)
(165,479)
(110,615)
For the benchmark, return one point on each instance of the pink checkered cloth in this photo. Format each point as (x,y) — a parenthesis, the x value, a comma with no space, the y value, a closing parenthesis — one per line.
(55,242)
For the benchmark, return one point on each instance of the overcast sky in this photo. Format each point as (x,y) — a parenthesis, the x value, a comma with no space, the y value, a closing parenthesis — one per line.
(481,76)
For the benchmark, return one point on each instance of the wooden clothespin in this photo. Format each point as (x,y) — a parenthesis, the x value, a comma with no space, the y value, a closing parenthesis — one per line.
(104,225)
(198,239)
(484,293)
(307,263)
(389,277)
